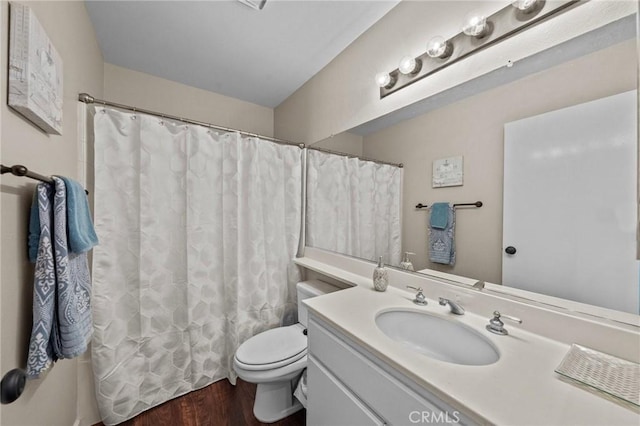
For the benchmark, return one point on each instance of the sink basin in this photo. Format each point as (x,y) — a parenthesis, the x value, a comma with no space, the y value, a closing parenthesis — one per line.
(437,337)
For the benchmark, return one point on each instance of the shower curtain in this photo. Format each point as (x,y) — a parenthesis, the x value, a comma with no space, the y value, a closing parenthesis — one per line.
(198,231)
(354,206)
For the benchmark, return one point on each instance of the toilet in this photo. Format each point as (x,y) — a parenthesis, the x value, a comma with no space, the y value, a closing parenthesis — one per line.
(274,359)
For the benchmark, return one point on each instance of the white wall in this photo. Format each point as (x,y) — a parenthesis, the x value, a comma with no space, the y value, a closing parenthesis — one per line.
(54,399)
(344,94)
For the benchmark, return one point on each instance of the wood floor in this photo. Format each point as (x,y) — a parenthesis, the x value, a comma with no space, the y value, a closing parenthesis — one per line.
(218,404)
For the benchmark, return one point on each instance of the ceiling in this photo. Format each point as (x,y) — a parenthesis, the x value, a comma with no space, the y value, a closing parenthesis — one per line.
(224,46)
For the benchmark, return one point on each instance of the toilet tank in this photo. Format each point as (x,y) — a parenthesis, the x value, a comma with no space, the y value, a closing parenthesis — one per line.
(311,288)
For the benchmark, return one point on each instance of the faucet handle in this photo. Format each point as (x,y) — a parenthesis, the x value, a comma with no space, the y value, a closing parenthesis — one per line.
(497,326)
(420,299)
(497,314)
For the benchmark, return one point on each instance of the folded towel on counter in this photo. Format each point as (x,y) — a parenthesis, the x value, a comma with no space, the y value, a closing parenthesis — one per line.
(441,241)
(82,236)
(439,215)
(62,322)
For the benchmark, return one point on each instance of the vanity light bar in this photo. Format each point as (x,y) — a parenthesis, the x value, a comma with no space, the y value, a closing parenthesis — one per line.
(502,24)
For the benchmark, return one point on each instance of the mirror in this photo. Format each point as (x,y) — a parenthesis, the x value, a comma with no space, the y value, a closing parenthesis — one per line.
(469,122)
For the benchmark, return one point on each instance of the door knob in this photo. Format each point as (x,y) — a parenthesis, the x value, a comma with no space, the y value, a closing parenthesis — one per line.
(510,250)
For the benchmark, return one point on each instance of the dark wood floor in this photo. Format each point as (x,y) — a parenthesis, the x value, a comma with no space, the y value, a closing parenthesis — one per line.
(218,404)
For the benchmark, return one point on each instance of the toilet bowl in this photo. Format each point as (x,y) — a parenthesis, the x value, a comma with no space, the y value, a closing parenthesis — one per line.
(275,359)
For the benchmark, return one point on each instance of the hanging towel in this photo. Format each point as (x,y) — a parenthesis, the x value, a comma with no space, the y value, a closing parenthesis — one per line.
(441,241)
(34,229)
(62,287)
(439,215)
(82,236)
(41,354)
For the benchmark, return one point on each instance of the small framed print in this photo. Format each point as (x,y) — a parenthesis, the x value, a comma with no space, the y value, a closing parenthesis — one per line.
(35,71)
(447,172)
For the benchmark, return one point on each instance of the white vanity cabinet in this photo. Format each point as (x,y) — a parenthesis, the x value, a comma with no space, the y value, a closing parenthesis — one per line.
(349,386)
(330,402)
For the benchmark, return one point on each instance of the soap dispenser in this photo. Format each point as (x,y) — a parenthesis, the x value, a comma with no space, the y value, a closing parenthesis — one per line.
(406,262)
(380,276)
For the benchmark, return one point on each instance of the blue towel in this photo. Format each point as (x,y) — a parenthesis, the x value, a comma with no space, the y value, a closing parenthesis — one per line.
(439,215)
(82,236)
(441,241)
(62,322)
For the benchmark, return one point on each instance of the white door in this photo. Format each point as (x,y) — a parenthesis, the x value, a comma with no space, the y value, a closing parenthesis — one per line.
(570,203)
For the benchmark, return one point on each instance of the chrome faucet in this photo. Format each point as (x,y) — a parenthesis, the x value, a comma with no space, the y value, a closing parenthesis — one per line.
(497,326)
(455,308)
(419,299)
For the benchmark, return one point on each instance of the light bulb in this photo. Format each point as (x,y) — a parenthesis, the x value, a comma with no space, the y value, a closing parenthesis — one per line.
(409,65)
(383,79)
(525,5)
(438,47)
(475,25)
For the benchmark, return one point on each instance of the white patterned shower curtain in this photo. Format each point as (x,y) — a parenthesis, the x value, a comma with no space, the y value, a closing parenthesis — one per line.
(354,206)
(198,231)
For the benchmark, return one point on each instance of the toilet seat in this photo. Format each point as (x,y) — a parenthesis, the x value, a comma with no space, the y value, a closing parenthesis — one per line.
(272,349)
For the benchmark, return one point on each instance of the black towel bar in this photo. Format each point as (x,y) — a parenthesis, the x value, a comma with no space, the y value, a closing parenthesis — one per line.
(19,170)
(476,204)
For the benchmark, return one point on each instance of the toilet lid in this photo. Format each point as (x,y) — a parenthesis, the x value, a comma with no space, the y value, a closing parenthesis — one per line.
(273,348)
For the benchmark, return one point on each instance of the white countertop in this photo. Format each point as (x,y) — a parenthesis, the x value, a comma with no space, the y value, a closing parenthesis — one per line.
(521,388)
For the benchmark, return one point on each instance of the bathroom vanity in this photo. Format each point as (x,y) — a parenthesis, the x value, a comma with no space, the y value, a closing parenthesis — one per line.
(359,374)
(353,386)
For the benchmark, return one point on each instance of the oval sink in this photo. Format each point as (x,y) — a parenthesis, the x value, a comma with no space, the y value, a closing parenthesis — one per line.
(437,337)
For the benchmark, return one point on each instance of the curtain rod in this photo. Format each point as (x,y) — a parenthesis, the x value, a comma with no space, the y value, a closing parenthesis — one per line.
(328,151)
(88,99)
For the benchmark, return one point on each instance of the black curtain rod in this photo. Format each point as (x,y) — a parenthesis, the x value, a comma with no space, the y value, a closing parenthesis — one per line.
(19,170)
(476,204)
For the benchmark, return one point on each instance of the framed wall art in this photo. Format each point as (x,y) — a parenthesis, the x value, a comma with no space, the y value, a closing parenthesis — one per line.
(35,71)
(447,172)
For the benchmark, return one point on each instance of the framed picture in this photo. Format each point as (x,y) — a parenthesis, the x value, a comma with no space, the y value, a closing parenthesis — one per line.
(447,172)
(35,71)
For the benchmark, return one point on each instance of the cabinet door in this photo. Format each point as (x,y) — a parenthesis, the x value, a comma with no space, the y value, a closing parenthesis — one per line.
(329,403)
(393,400)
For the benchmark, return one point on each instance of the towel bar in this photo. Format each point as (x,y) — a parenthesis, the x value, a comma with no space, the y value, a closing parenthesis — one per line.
(476,204)
(20,170)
